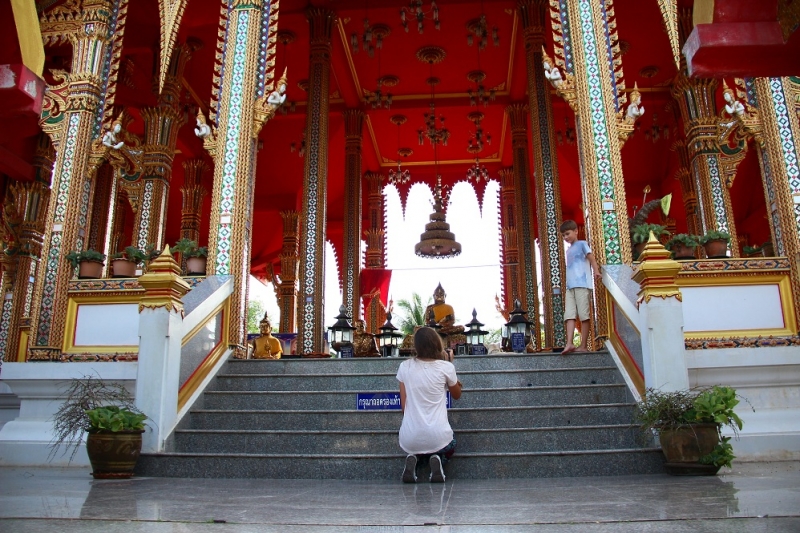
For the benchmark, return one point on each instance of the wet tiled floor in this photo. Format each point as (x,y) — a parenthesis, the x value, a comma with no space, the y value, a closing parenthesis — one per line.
(751,497)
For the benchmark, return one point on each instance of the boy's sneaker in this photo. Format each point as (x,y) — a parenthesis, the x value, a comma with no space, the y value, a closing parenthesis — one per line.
(437,472)
(409,472)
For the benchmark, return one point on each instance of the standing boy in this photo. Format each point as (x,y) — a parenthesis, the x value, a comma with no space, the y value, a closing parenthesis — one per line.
(579,284)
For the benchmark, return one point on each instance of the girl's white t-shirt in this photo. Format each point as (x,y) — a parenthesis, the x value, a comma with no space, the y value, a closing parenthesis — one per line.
(425,428)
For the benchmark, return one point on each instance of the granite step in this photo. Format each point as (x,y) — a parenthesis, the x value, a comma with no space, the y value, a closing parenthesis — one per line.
(466,418)
(382,381)
(486,397)
(368,365)
(497,439)
(388,466)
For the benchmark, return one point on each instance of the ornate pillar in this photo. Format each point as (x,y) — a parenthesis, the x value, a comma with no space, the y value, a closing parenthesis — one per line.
(696,99)
(684,177)
(101,199)
(376,232)
(87,92)
(287,290)
(161,125)
(351,247)
(510,253)
(193,193)
(241,109)
(311,303)
(24,219)
(528,286)
(546,177)
(779,157)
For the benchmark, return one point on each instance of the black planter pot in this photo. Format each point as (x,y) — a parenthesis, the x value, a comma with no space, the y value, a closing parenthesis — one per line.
(113,455)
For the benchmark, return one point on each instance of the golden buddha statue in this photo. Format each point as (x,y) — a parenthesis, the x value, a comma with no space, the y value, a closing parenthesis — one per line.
(443,313)
(364,344)
(266,346)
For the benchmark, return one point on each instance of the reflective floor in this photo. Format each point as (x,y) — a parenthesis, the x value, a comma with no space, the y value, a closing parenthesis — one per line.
(751,497)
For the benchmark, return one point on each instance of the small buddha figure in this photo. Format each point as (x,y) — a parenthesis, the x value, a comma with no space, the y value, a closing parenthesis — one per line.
(443,313)
(364,344)
(266,346)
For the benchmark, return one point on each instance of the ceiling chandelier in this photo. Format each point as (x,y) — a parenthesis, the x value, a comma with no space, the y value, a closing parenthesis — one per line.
(480,28)
(567,135)
(434,130)
(415,11)
(477,172)
(477,138)
(438,241)
(400,175)
(480,95)
(655,132)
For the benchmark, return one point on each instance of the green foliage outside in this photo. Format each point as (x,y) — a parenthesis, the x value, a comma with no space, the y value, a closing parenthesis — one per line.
(255,312)
(412,313)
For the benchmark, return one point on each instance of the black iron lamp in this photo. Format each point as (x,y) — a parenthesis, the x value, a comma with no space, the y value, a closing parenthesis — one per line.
(342,334)
(475,336)
(389,339)
(519,328)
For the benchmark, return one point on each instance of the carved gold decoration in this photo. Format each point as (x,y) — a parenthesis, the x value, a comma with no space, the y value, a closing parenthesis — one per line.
(657,273)
(669,13)
(566,87)
(264,110)
(171,13)
(431,54)
(163,284)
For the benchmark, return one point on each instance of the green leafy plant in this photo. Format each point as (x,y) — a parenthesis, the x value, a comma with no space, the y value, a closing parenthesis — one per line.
(131,253)
(715,235)
(75,257)
(114,418)
(82,396)
(751,250)
(151,252)
(188,248)
(641,233)
(684,239)
(660,411)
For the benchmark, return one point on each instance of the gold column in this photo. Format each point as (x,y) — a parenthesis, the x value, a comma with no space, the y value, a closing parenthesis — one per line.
(528,289)
(510,252)
(193,193)
(376,232)
(546,176)
(351,247)
(75,129)
(161,126)
(243,105)
(696,99)
(779,157)
(287,289)
(311,302)
(101,199)
(684,177)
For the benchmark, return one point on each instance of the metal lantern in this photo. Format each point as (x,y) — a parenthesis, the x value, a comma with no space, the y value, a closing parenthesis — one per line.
(342,330)
(519,328)
(475,336)
(389,339)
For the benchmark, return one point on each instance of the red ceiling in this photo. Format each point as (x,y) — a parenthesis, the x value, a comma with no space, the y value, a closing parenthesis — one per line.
(280,171)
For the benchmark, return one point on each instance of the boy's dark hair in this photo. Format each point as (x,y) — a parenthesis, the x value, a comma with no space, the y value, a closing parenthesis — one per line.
(428,344)
(567,225)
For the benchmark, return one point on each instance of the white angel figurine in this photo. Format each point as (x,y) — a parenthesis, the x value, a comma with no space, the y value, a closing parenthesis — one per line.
(110,137)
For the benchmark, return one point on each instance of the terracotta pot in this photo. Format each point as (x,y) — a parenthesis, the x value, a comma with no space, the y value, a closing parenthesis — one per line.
(684,446)
(682,251)
(114,455)
(768,251)
(716,249)
(196,266)
(90,270)
(123,268)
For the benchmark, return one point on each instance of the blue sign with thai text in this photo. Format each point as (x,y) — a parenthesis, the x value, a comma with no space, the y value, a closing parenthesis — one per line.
(383,401)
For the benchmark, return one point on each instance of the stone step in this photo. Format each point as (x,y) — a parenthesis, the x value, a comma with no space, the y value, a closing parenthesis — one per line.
(490,397)
(460,418)
(370,365)
(497,439)
(389,466)
(382,381)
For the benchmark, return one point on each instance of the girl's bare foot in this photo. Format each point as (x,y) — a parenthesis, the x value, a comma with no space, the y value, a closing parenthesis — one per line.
(570,348)
(580,350)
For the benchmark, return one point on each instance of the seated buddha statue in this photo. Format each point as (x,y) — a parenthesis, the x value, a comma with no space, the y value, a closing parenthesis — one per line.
(266,346)
(364,344)
(443,313)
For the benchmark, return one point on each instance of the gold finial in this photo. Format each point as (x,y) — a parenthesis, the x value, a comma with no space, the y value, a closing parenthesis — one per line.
(657,273)
(163,284)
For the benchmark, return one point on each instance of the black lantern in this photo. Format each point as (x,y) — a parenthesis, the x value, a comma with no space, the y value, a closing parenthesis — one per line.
(342,334)
(389,339)
(519,329)
(475,336)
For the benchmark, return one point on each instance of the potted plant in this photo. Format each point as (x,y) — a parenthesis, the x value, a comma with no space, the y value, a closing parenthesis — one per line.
(750,251)
(123,264)
(194,255)
(767,250)
(715,244)
(641,234)
(88,262)
(113,424)
(682,246)
(689,426)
